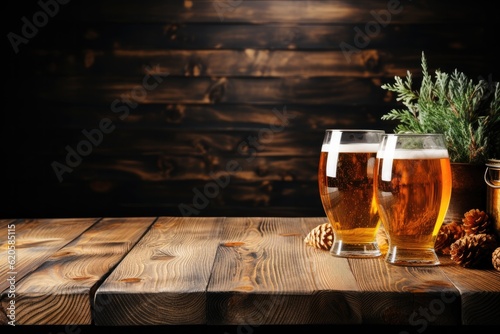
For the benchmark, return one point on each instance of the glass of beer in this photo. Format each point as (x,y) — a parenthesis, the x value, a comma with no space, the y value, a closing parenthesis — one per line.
(345,179)
(412,184)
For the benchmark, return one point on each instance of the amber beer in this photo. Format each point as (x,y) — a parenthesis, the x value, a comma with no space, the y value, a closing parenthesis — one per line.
(413,191)
(347,198)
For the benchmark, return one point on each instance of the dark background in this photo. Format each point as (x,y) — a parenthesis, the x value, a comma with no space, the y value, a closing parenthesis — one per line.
(208,138)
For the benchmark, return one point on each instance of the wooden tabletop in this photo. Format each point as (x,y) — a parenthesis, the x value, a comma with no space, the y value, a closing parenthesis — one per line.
(220,271)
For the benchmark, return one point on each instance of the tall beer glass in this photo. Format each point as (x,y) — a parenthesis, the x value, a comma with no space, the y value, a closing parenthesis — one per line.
(345,178)
(412,190)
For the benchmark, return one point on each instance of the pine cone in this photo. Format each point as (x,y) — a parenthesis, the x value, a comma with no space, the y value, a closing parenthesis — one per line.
(473,251)
(448,234)
(476,222)
(495,258)
(320,237)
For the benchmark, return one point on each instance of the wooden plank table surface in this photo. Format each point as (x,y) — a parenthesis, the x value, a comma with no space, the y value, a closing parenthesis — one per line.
(255,271)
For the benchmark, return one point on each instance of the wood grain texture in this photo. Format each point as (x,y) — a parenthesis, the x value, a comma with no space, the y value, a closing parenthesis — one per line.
(5,226)
(258,11)
(163,279)
(205,168)
(36,240)
(178,117)
(223,63)
(255,62)
(113,91)
(240,271)
(479,293)
(383,62)
(59,291)
(406,295)
(222,67)
(264,271)
(270,141)
(101,39)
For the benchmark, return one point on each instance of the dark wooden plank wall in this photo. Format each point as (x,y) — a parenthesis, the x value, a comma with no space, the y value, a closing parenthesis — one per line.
(221,104)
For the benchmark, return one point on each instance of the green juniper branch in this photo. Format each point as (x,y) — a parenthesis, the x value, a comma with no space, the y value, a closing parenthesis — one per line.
(466,112)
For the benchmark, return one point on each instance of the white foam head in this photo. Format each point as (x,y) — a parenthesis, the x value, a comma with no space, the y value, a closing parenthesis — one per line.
(417,154)
(353,148)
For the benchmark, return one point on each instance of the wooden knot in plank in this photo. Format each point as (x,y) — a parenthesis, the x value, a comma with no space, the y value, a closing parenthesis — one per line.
(370,60)
(160,254)
(217,90)
(131,280)
(82,278)
(167,165)
(174,113)
(194,67)
(233,244)
(171,31)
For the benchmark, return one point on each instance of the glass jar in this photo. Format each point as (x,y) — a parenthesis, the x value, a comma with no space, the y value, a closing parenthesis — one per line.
(492,179)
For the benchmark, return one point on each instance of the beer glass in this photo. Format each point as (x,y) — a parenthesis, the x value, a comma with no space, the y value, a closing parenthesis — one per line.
(412,184)
(345,179)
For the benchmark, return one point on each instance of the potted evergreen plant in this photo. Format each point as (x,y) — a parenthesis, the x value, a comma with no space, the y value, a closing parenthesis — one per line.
(467,112)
